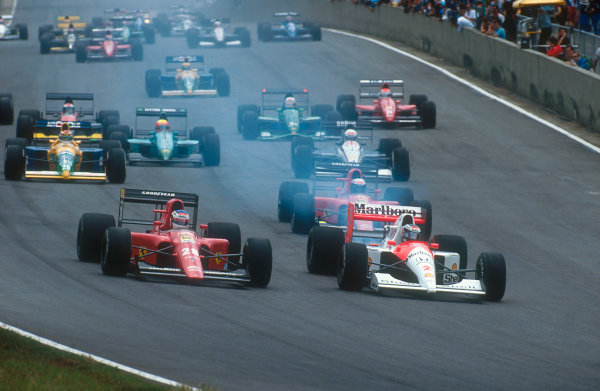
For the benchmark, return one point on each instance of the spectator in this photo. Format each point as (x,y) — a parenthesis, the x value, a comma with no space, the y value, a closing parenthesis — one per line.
(595,61)
(584,15)
(545,25)
(470,13)
(567,54)
(594,14)
(495,14)
(555,49)
(581,62)
(562,37)
(496,30)
(485,25)
(480,10)
(510,21)
(463,21)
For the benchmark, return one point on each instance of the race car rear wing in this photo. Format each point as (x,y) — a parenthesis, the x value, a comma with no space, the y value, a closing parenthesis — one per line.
(83,102)
(284,14)
(142,112)
(159,199)
(84,131)
(325,172)
(364,129)
(379,213)
(272,99)
(369,89)
(195,62)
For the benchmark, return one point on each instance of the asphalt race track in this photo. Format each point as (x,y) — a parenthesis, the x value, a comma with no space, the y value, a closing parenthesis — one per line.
(505,182)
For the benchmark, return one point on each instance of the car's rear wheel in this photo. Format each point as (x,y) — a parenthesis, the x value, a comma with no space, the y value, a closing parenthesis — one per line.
(7,112)
(285,201)
(400,164)
(116,251)
(90,232)
(153,84)
(402,195)
(425,205)
(25,127)
(137,51)
(211,149)
(46,43)
(231,232)
(241,109)
(323,249)
(258,258)
(303,161)
(251,125)
(417,100)
(303,213)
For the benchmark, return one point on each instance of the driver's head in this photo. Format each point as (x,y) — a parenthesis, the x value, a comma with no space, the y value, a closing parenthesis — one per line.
(180,219)
(68,108)
(217,23)
(410,232)
(350,134)
(288,18)
(358,186)
(162,124)
(65,133)
(385,90)
(186,63)
(290,102)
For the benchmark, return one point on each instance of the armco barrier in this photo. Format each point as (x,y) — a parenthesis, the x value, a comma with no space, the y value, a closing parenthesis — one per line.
(571,91)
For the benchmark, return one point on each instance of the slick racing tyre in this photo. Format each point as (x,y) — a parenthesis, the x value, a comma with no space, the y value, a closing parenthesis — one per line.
(303,213)
(321,110)
(25,127)
(121,138)
(491,271)
(115,251)
(34,113)
(344,98)
(80,52)
(153,84)
(14,163)
(108,117)
(244,36)
(110,129)
(46,43)
(211,149)
(285,201)
(315,32)
(417,100)
(251,126)
(23,32)
(7,112)
(241,109)
(90,233)
(428,114)
(137,51)
(323,249)
(428,211)
(353,266)
(43,29)
(387,145)
(16,141)
(400,164)
(302,161)
(115,167)
(222,83)
(107,145)
(258,259)
(199,132)
(454,244)
(231,232)
(402,195)
(149,34)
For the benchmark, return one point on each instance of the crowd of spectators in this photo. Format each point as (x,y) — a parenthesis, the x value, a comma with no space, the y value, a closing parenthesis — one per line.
(498,18)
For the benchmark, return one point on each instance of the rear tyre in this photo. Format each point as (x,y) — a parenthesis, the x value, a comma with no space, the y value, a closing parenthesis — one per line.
(315,32)
(107,145)
(402,195)
(115,167)
(14,163)
(400,164)
(116,251)
(35,114)
(46,43)
(302,161)
(104,117)
(16,141)
(491,271)
(285,202)
(417,100)
(80,52)
(344,98)
(348,110)
(222,83)
(232,233)
(323,249)
(121,138)
(321,110)
(245,37)
(137,51)
(7,111)
(90,233)
(387,145)
(198,132)
(110,129)
(23,32)
(211,149)
(428,114)
(153,84)
(258,258)
(25,127)
(454,244)
(250,127)
(352,266)
(303,213)
(43,29)
(426,207)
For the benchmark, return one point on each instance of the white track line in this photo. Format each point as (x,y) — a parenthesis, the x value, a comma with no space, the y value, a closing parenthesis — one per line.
(474,87)
(100,360)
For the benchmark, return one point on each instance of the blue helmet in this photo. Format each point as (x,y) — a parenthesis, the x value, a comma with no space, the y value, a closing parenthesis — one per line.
(180,219)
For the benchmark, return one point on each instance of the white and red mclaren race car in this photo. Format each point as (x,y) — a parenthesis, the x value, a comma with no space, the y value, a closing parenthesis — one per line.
(393,257)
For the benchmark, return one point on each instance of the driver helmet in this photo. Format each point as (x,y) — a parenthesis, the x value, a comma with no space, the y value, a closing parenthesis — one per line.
(217,23)
(410,232)
(186,63)
(108,34)
(65,133)
(289,18)
(350,134)
(385,90)
(68,108)
(162,124)
(180,219)
(358,186)
(290,102)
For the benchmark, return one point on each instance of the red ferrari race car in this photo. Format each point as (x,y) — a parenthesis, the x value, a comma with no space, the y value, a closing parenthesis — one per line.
(387,107)
(304,210)
(396,257)
(108,44)
(172,247)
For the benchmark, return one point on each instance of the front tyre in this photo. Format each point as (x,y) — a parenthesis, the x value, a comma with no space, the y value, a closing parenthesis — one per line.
(491,271)
(258,259)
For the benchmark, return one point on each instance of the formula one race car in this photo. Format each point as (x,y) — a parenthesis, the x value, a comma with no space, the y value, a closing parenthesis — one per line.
(135,23)
(67,107)
(391,160)
(386,108)
(185,76)
(215,34)
(62,37)
(289,30)
(304,210)
(163,139)
(397,257)
(10,32)
(172,246)
(61,156)
(178,21)
(283,114)
(108,45)
(7,110)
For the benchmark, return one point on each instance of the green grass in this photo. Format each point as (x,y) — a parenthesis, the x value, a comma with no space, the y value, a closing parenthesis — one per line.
(29,365)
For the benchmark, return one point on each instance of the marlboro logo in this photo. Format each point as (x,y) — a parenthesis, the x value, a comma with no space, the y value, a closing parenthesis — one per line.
(385,210)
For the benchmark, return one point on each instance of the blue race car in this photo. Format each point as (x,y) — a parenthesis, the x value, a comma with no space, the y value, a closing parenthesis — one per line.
(289,30)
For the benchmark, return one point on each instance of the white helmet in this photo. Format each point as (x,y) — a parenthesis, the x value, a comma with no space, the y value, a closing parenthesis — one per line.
(411,232)
(350,134)
(290,102)
(358,186)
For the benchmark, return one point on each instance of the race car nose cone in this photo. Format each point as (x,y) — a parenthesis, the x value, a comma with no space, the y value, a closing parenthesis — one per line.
(165,154)
(66,174)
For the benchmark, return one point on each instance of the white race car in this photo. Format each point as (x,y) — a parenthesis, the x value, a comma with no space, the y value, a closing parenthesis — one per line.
(8,31)
(394,258)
